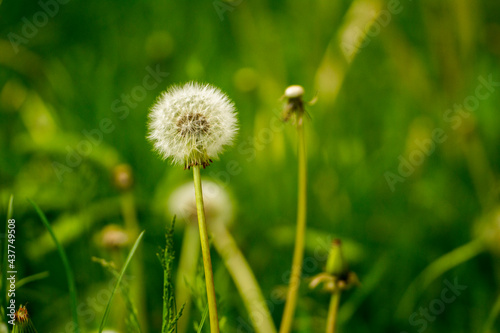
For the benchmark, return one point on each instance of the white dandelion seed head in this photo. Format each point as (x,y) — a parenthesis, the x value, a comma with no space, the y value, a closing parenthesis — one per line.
(217,202)
(191,124)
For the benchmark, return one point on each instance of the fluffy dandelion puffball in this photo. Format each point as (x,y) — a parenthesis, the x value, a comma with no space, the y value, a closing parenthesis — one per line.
(191,124)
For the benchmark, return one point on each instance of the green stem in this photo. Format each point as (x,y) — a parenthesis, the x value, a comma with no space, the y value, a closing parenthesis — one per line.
(436,269)
(137,289)
(205,250)
(190,253)
(66,265)
(244,280)
(495,311)
(332,312)
(298,254)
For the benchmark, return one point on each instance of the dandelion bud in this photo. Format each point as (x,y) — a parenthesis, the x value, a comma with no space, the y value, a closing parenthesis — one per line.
(336,265)
(337,275)
(192,124)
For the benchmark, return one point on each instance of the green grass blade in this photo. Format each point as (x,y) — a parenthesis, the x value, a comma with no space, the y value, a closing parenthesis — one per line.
(203,318)
(3,291)
(127,262)
(495,311)
(67,267)
(31,278)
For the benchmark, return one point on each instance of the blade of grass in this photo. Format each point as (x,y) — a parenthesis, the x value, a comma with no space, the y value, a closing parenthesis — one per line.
(67,267)
(203,318)
(127,262)
(3,291)
(495,311)
(31,278)
(133,320)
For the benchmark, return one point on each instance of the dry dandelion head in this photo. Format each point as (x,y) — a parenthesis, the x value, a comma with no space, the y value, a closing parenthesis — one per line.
(192,124)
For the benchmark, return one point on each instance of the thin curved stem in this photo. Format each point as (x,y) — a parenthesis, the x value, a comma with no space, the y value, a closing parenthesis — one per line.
(298,253)
(331,321)
(67,267)
(205,250)
(244,279)
(495,311)
(437,268)
(137,290)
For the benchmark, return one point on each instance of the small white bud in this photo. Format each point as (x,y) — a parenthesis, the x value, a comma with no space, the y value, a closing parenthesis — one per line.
(294,91)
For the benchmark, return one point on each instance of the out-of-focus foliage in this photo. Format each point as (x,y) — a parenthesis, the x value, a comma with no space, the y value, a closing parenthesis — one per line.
(403,146)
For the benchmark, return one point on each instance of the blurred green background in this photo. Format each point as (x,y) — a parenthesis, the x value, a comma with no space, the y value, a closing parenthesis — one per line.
(386,74)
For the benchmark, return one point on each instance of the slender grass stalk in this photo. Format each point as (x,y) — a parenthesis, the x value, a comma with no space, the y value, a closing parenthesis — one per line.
(170,313)
(331,321)
(122,273)
(3,291)
(298,254)
(67,267)
(244,280)
(205,250)
(203,319)
(132,321)
(436,269)
(137,289)
(495,311)
(31,278)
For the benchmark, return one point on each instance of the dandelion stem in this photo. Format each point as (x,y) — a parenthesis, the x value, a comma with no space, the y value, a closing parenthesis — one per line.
(205,249)
(298,254)
(332,312)
(244,279)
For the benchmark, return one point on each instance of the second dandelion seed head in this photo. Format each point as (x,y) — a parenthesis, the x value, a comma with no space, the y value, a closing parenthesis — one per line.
(191,124)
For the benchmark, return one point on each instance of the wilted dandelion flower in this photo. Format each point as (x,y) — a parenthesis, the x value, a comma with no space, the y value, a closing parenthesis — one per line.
(23,322)
(192,124)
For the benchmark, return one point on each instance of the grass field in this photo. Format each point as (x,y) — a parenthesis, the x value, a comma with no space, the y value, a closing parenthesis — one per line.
(403,154)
